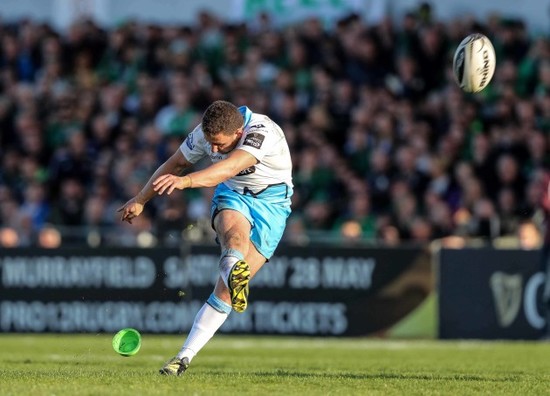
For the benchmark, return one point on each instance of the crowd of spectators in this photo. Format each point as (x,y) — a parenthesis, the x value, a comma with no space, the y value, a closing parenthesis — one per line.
(385,145)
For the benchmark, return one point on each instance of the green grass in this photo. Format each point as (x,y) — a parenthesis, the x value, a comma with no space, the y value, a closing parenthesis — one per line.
(86,365)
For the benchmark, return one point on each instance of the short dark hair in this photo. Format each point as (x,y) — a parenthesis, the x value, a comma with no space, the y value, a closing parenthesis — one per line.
(221,117)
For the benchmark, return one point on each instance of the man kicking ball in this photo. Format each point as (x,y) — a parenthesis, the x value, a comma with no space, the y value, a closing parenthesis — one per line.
(252,169)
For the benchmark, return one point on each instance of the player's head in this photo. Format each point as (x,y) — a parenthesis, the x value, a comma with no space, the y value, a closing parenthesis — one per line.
(222,124)
(221,117)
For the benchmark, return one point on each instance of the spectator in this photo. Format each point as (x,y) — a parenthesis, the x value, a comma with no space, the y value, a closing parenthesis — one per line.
(529,236)
(381,136)
(8,237)
(178,117)
(484,222)
(75,160)
(35,207)
(49,237)
(68,209)
(358,222)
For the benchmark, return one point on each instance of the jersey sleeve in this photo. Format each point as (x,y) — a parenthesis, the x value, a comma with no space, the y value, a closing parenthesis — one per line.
(192,147)
(259,140)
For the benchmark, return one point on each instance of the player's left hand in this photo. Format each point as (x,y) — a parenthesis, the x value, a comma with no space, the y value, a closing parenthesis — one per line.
(168,183)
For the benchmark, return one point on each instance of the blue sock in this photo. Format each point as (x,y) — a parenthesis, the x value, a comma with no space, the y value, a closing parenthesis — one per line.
(218,304)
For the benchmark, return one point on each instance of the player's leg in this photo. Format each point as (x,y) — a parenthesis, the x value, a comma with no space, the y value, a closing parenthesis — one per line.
(207,321)
(254,260)
(258,221)
(218,306)
(210,318)
(233,231)
(248,230)
(233,221)
(215,311)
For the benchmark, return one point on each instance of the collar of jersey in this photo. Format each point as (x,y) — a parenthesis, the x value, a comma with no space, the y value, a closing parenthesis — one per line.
(247,114)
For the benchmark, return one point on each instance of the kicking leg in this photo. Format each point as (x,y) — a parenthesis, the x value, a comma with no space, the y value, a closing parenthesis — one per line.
(254,260)
(233,230)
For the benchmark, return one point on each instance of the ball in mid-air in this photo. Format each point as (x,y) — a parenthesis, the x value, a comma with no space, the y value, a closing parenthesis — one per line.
(474,63)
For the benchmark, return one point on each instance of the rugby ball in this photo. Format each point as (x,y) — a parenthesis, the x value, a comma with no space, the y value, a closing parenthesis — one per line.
(474,63)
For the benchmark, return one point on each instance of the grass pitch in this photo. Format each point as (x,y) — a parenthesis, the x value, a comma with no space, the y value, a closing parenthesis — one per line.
(87,365)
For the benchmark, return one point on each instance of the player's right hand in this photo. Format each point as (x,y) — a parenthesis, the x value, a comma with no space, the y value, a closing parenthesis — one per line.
(130,210)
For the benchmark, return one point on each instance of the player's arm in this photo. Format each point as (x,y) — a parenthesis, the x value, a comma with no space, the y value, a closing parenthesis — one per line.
(238,161)
(176,164)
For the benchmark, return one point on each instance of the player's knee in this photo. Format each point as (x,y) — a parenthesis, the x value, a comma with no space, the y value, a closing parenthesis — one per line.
(235,238)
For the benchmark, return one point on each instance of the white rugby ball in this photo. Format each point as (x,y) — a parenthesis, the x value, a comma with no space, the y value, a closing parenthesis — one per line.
(474,63)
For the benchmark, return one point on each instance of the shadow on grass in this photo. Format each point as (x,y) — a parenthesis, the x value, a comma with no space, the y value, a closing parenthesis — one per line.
(384,376)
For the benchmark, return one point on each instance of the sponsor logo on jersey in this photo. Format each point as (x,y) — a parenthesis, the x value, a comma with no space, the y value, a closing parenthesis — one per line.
(247,171)
(254,140)
(189,141)
(257,126)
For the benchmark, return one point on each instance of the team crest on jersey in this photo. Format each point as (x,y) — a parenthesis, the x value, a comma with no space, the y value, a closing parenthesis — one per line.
(254,140)
(189,141)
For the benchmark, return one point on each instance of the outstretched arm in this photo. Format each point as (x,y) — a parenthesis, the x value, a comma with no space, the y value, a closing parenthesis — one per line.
(176,164)
(238,161)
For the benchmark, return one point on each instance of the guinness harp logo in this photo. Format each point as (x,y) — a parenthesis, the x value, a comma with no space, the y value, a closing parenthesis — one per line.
(507,291)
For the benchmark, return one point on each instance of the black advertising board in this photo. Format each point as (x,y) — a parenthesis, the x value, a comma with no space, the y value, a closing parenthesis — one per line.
(308,291)
(490,294)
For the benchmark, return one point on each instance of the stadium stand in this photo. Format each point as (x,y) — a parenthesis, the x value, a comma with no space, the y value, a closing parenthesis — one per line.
(386,147)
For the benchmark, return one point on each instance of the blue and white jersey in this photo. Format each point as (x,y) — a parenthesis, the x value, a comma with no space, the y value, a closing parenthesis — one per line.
(262,138)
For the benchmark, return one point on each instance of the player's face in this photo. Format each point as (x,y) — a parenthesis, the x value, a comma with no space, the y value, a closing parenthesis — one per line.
(222,143)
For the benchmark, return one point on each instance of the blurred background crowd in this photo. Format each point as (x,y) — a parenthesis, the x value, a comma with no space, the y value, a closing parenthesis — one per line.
(386,148)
